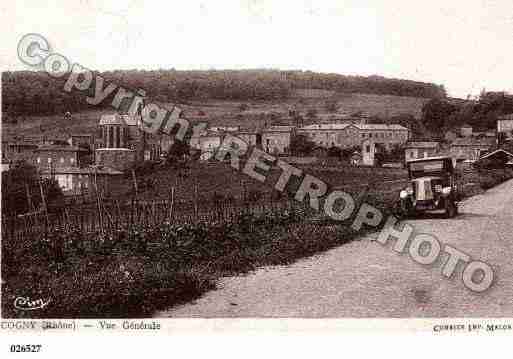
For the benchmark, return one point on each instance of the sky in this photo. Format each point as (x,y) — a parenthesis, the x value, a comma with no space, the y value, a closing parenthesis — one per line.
(466,45)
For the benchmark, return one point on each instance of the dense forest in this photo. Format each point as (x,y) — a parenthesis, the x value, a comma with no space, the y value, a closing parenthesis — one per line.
(29,93)
(439,115)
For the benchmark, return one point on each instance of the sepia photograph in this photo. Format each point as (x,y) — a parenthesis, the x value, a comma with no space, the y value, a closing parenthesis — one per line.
(259,159)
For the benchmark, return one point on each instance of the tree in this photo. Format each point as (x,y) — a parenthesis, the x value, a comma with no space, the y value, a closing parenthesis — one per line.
(178,152)
(435,114)
(23,178)
(395,154)
(347,152)
(334,151)
(301,145)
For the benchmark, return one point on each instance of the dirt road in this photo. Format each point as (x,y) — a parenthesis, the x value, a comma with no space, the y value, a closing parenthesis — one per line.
(366,279)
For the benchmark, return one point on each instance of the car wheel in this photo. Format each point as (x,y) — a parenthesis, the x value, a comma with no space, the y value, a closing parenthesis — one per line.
(406,209)
(450,209)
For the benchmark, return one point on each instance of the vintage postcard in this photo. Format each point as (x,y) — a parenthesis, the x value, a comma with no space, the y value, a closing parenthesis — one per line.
(256,165)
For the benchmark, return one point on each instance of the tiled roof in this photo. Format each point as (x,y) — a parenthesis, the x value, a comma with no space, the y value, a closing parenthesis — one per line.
(472,141)
(341,126)
(380,126)
(22,143)
(117,119)
(508,116)
(101,170)
(115,149)
(279,129)
(61,148)
(422,144)
(497,151)
(81,135)
(325,126)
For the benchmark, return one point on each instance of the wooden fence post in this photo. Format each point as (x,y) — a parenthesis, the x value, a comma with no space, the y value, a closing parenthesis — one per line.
(45,208)
(172,204)
(196,202)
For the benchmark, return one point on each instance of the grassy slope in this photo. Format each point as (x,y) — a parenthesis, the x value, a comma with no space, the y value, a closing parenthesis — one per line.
(225,112)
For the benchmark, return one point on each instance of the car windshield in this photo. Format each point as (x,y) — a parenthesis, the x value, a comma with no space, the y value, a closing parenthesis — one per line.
(418,169)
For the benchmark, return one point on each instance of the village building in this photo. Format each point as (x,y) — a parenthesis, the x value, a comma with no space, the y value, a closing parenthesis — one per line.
(125,143)
(51,156)
(53,140)
(368,153)
(505,128)
(466,130)
(75,181)
(485,134)
(416,150)
(251,137)
(18,150)
(345,135)
(470,148)
(499,158)
(276,139)
(84,140)
(5,166)
(450,136)
(120,131)
(225,128)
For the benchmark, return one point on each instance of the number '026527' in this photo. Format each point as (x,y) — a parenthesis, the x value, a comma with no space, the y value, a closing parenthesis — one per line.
(28,348)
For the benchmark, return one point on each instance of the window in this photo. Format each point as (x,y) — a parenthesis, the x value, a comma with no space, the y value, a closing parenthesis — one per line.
(39,160)
(72,160)
(49,159)
(62,159)
(370,135)
(367,149)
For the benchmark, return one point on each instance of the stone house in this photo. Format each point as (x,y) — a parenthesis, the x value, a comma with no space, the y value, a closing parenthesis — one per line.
(450,136)
(51,156)
(276,139)
(466,130)
(73,180)
(505,127)
(345,135)
(18,150)
(470,148)
(251,137)
(417,149)
(85,140)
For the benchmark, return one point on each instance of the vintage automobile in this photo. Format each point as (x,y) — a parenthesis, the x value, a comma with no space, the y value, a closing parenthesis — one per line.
(432,187)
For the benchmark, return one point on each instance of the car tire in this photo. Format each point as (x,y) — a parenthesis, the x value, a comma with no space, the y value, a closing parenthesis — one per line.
(407,209)
(450,209)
